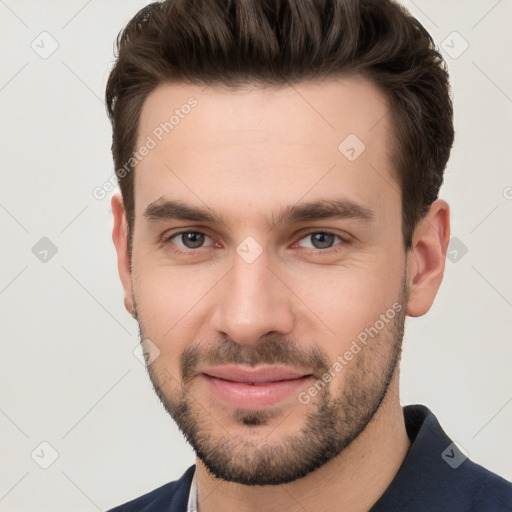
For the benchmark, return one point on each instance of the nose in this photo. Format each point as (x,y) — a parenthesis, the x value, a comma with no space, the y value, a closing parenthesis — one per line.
(252,302)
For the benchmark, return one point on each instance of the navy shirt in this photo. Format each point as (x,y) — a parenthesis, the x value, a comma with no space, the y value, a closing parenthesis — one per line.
(435,476)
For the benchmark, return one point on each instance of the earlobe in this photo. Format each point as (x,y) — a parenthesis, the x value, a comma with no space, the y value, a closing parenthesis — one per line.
(120,239)
(427,257)
(128,304)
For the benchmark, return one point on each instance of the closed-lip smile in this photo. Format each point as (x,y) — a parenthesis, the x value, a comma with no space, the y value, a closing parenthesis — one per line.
(245,387)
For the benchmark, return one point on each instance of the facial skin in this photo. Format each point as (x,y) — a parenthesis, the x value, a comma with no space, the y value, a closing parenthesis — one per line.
(246,156)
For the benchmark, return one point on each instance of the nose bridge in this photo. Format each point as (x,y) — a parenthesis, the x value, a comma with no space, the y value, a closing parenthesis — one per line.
(253,301)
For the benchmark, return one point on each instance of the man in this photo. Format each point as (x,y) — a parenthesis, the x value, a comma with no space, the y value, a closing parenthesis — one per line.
(279,165)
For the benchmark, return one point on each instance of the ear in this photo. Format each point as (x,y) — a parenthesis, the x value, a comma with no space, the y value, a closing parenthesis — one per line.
(120,238)
(426,258)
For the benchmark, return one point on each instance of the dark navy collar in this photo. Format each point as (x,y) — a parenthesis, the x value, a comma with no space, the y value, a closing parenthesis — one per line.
(437,476)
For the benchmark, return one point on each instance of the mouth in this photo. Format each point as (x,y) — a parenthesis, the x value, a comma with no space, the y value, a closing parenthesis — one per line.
(253,388)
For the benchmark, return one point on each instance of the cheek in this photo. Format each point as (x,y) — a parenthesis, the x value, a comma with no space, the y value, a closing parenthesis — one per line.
(350,299)
(162,292)
(169,304)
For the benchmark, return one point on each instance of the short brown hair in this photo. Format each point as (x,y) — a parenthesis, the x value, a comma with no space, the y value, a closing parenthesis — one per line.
(277,42)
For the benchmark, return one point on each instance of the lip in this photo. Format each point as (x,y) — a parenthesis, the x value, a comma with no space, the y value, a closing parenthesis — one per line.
(253,388)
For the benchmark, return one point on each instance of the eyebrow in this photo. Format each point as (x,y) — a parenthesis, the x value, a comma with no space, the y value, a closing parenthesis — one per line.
(163,209)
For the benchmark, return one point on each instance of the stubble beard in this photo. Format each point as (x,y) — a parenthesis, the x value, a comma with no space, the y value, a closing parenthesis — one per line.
(336,416)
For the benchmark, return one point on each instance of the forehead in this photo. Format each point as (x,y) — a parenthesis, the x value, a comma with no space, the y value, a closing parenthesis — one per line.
(265,144)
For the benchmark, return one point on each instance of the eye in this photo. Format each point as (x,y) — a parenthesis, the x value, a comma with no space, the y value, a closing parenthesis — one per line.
(320,240)
(188,239)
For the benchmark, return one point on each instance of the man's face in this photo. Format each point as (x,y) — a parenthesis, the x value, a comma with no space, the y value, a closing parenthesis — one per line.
(252,309)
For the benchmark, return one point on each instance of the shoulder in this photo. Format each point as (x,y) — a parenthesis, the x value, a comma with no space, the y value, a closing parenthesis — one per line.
(437,475)
(489,490)
(171,497)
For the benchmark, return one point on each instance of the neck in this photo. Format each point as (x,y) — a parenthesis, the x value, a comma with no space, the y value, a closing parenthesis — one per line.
(354,480)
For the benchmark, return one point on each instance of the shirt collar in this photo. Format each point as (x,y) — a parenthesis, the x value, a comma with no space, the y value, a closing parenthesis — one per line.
(192,497)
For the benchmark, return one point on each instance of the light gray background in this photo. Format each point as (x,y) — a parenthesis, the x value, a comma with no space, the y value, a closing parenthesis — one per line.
(68,373)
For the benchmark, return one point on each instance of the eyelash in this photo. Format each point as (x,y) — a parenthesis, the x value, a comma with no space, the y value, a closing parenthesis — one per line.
(167,240)
(342,241)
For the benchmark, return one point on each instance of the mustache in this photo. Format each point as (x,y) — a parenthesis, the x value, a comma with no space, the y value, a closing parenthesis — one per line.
(271,351)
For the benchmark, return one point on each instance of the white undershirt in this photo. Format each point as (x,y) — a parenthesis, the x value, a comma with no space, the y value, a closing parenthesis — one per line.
(192,497)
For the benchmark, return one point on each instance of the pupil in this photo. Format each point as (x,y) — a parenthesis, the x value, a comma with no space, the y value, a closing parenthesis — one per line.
(322,240)
(193,240)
